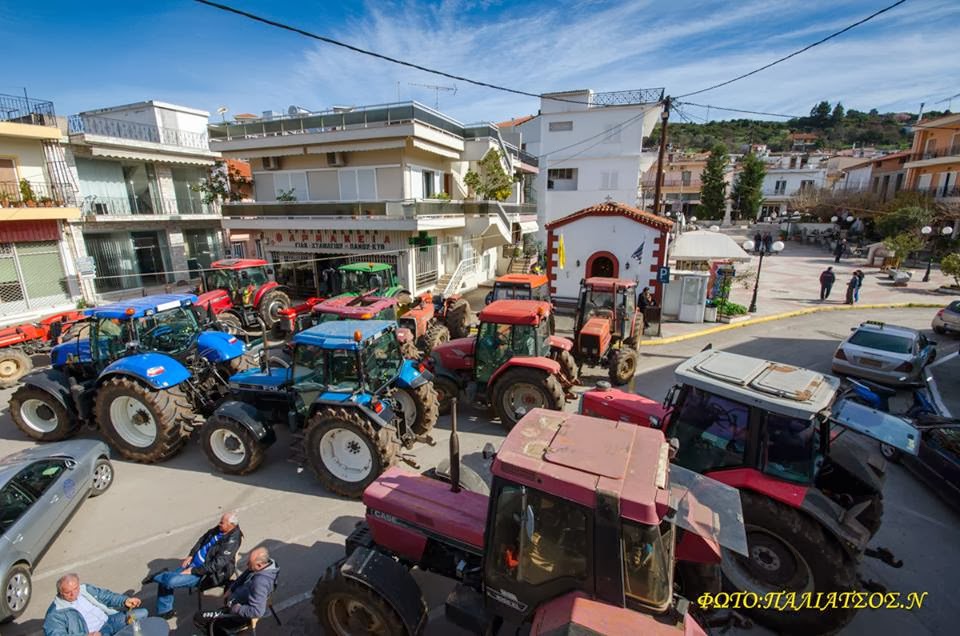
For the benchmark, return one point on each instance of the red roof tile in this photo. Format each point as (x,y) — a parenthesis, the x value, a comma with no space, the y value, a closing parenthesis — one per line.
(516,121)
(613,208)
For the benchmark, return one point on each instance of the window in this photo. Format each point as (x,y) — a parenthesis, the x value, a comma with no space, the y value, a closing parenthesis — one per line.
(493,349)
(898,184)
(428,178)
(562,179)
(259,245)
(930,149)
(780,187)
(806,185)
(869,339)
(111,336)
(13,504)
(296,181)
(712,431)
(608,180)
(238,249)
(170,331)
(685,177)
(381,361)
(790,445)
(561,126)
(647,562)
(36,478)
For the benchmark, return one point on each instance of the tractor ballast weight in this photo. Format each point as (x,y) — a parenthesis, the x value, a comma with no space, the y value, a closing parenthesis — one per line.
(607,327)
(238,291)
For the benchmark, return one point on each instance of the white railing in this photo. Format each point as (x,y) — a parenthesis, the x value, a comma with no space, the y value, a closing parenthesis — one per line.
(467,265)
(507,225)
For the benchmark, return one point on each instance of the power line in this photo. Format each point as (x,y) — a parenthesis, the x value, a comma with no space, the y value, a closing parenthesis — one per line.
(797,52)
(740,110)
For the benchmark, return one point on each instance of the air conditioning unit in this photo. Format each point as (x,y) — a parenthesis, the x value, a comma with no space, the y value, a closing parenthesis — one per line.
(271,163)
(335,159)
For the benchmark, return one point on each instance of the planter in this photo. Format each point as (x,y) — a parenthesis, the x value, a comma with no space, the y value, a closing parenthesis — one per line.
(952,290)
(734,319)
(710,314)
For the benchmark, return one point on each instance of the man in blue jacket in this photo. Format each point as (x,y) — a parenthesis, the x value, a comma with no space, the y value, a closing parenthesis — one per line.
(82,610)
(245,598)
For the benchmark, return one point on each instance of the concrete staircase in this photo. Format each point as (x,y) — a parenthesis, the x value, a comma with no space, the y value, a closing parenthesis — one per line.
(442,283)
(521,265)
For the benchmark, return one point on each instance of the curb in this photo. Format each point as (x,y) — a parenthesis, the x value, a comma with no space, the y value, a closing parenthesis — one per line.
(781,316)
(934,389)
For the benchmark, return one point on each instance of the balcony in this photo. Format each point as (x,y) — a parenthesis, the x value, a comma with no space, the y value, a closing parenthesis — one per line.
(136,131)
(933,157)
(937,192)
(152,208)
(407,209)
(24,110)
(37,200)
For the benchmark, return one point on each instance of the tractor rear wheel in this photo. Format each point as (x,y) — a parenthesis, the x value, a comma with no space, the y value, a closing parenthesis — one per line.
(446,390)
(143,424)
(568,365)
(14,364)
(458,318)
(345,607)
(41,416)
(409,351)
(623,365)
(345,452)
(230,446)
(419,407)
(789,552)
(520,390)
(270,306)
(230,323)
(436,334)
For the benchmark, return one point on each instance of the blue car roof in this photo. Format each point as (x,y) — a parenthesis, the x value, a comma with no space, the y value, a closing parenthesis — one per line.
(140,306)
(338,334)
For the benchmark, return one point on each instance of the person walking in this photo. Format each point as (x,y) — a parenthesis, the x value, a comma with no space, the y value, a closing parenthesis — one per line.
(856,292)
(852,286)
(767,242)
(757,242)
(827,279)
(839,250)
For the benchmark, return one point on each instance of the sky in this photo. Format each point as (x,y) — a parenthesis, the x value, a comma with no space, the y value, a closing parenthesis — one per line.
(101,53)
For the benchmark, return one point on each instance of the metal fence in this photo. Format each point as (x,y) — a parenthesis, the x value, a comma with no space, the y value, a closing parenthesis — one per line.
(136,131)
(145,205)
(426,266)
(24,110)
(35,193)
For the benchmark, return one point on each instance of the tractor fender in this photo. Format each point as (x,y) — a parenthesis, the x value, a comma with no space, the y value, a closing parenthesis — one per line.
(391,581)
(547,365)
(410,376)
(217,346)
(217,300)
(154,369)
(557,342)
(248,417)
(264,289)
(382,420)
(54,382)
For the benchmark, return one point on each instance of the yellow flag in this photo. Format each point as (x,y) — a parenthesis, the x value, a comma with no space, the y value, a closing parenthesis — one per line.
(561,254)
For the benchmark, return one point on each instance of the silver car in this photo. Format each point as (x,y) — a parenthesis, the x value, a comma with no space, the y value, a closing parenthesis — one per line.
(947,319)
(40,488)
(886,354)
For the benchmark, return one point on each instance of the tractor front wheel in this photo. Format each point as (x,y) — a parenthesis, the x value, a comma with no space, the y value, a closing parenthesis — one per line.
(458,318)
(568,365)
(623,365)
(345,607)
(14,364)
(41,416)
(143,424)
(520,390)
(345,452)
(789,551)
(446,390)
(436,334)
(409,351)
(270,306)
(230,446)
(419,407)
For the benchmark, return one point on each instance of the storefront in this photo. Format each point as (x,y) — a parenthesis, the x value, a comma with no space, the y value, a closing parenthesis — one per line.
(32,273)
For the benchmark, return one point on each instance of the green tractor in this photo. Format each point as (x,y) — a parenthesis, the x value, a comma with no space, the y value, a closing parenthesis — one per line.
(362,278)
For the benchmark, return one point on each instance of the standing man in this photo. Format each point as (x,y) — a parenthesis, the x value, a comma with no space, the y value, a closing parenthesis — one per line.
(856,292)
(853,287)
(767,242)
(757,242)
(827,279)
(839,250)
(213,556)
(80,609)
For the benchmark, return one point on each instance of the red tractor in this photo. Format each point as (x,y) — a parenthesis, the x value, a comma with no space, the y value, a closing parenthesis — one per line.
(20,342)
(586,529)
(812,493)
(239,293)
(607,327)
(513,363)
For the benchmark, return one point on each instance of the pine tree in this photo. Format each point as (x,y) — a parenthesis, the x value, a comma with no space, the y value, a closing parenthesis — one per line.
(713,189)
(747,194)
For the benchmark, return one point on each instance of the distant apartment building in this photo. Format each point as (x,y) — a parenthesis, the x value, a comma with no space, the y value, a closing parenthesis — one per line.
(37,273)
(882,176)
(934,163)
(143,223)
(591,149)
(682,181)
(789,176)
(382,183)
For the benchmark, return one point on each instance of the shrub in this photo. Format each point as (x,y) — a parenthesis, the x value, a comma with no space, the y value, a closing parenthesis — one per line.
(950,265)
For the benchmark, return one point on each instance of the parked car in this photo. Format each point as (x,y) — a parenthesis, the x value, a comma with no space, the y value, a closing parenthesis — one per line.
(40,488)
(938,462)
(947,319)
(884,353)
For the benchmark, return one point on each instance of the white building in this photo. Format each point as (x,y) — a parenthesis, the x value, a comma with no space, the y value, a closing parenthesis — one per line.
(789,176)
(590,147)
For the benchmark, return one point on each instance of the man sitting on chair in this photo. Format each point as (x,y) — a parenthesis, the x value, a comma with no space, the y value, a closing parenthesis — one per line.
(245,598)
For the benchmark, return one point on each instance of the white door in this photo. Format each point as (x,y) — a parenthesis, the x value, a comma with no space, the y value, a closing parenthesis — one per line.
(923,183)
(693,297)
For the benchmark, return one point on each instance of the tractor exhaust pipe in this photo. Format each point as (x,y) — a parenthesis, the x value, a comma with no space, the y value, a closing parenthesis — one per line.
(454,449)
(265,351)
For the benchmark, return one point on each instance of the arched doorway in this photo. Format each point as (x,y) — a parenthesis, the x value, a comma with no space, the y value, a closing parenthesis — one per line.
(602,264)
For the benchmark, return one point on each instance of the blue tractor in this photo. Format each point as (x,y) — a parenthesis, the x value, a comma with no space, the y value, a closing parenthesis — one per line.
(143,370)
(349,396)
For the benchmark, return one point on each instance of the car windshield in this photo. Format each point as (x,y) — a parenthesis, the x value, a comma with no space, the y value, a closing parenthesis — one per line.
(647,558)
(381,360)
(891,343)
(508,291)
(954,307)
(170,331)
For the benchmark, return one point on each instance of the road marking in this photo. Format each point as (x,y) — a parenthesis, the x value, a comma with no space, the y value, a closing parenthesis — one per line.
(292,601)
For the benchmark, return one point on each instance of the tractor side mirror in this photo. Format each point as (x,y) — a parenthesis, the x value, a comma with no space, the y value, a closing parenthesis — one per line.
(529,522)
(489,451)
(488,298)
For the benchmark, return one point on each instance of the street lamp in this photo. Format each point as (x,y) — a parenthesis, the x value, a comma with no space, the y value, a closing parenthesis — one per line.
(850,219)
(748,246)
(927,232)
(834,218)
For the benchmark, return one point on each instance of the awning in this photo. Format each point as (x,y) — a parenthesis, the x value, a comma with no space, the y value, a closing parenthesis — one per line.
(706,246)
(357,146)
(239,236)
(151,156)
(435,149)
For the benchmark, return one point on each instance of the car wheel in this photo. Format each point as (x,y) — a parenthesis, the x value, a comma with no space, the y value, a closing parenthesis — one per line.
(15,592)
(102,477)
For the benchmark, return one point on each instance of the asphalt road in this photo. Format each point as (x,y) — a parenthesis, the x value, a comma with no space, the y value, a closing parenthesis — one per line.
(153,514)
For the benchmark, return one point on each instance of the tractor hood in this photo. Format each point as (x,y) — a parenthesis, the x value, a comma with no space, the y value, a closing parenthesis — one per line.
(614,404)
(596,327)
(273,379)
(455,355)
(577,613)
(217,346)
(75,350)
(558,342)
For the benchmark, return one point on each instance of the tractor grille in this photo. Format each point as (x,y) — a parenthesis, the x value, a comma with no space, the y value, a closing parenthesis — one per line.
(590,345)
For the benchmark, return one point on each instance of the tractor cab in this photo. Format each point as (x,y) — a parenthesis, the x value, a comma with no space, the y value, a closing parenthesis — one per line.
(360,278)
(239,277)
(509,329)
(607,326)
(520,287)
(242,296)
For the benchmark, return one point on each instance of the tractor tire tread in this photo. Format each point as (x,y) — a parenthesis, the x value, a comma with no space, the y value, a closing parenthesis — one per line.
(22,360)
(548,382)
(264,309)
(70,423)
(437,333)
(171,405)
(428,409)
(458,318)
(623,353)
(333,583)
(255,450)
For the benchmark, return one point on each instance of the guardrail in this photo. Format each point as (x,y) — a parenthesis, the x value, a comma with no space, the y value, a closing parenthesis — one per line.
(136,131)
(25,110)
(34,193)
(144,206)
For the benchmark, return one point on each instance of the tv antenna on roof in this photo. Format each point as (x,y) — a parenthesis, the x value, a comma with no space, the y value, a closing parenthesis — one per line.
(436,91)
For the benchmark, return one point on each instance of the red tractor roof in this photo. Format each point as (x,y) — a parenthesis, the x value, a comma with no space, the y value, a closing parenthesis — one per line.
(574,456)
(533,280)
(515,312)
(359,308)
(607,284)
(238,263)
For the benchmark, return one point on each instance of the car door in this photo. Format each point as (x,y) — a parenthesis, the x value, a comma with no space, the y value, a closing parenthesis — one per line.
(940,452)
(16,522)
(53,484)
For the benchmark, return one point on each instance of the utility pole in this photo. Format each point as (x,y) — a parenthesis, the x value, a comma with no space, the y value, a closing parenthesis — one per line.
(664,116)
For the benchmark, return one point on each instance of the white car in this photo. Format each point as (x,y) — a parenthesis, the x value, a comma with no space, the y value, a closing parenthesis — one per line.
(947,319)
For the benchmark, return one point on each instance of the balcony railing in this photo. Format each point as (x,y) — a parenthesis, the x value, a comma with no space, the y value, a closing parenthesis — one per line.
(624,98)
(952,151)
(937,192)
(24,110)
(35,193)
(144,206)
(408,209)
(651,182)
(136,131)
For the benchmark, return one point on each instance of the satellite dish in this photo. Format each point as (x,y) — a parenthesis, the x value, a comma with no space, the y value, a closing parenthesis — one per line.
(295,110)
(222,110)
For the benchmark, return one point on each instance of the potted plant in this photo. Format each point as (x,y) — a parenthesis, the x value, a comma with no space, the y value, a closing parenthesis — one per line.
(728,311)
(26,193)
(4,200)
(46,202)
(287,196)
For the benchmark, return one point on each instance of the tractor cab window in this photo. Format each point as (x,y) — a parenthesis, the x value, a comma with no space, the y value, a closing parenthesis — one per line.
(308,365)
(363,281)
(110,339)
(628,301)
(493,348)
(599,303)
(169,331)
(220,279)
(381,360)
(538,538)
(525,340)
(712,431)
(510,292)
(542,293)
(343,374)
(255,276)
(648,562)
(790,447)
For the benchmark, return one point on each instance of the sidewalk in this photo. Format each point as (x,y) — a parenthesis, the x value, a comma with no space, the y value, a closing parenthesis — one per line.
(790,284)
